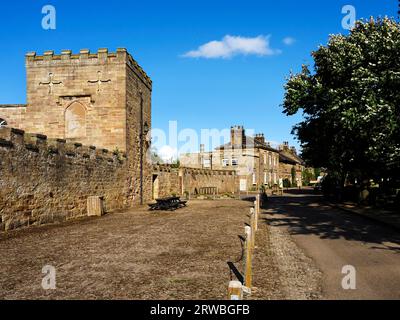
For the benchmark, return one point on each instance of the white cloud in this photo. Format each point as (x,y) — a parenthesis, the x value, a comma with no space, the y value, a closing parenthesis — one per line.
(230,46)
(289,41)
(274,144)
(168,154)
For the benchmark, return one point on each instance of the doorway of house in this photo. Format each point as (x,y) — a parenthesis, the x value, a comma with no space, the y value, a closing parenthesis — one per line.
(155,186)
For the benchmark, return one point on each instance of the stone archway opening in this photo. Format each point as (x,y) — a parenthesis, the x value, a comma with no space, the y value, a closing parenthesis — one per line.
(156,187)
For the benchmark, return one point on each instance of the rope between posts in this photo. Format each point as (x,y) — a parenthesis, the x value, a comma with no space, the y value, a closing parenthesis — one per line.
(240,259)
(242,254)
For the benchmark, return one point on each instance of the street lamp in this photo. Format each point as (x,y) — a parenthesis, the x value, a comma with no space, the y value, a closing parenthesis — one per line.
(146,129)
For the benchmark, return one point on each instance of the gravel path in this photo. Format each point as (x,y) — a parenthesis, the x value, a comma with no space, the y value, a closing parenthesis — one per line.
(142,255)
(134,255)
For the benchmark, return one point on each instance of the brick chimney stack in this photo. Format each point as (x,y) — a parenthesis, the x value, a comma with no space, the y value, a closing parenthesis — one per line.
(284,146)
(259,139)
(238,136)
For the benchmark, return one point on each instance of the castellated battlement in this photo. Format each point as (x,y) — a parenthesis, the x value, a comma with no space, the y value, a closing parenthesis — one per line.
(86,58)
(18,139)
(170,180)
(50,180)
(208,172)
(192,171)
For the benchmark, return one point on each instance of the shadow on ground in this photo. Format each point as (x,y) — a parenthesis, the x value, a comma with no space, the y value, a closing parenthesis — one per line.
(304,213)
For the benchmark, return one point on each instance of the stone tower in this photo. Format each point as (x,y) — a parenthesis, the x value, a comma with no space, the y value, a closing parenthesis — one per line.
(101,99)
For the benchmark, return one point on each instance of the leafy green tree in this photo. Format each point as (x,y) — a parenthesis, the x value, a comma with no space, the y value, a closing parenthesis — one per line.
(317,173)
(351,102)
(308,174)
(155,158)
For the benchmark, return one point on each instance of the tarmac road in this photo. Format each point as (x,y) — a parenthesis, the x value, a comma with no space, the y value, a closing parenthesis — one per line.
(334,239)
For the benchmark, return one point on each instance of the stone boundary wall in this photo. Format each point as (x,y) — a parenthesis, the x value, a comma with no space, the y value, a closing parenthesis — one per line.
(223,180)
(183,180)
(168,180)
(49,180)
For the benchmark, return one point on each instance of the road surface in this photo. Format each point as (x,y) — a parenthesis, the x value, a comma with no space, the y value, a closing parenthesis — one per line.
(334,239)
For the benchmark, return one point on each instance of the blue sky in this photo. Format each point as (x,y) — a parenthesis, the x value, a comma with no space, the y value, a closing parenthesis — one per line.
(244,89)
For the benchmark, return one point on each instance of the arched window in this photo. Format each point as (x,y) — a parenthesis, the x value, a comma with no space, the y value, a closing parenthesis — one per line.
(75,121)
(3,123)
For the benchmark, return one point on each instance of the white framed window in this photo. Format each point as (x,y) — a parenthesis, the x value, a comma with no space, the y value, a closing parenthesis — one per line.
(265,177)
(243,185)
(270,159)
(254,179)
(206,163)
(225,162)
(265,158)
(235,162)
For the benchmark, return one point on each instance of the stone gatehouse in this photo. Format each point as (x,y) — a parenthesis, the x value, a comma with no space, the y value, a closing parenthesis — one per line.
(87,99)
(84,132)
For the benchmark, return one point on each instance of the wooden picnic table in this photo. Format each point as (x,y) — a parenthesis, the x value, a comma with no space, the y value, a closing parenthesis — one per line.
(169,203)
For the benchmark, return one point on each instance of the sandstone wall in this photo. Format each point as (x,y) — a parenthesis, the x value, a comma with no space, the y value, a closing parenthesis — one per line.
(13,114)
(138,118)
(194,179)
(263,163)
(188,180)
(285,171)
(78,97)
(44,180)
(101,99)
(168,180)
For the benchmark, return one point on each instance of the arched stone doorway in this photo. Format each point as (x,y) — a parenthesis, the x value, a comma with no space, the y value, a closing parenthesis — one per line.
(156,187)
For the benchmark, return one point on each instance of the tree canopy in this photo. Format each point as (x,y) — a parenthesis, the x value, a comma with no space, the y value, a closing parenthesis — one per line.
(351,102)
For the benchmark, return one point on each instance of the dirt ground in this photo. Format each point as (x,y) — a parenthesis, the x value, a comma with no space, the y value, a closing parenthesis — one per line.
(138,255)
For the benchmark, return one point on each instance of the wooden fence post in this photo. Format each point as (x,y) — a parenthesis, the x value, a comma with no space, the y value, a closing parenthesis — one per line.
(257,205)
(256,216)
(248,260)
(235,290)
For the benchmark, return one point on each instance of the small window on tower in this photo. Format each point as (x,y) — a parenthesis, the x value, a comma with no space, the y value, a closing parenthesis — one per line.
(3,123)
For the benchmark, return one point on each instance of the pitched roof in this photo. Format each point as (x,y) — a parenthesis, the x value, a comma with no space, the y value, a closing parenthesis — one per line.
(250,142)
(288,157)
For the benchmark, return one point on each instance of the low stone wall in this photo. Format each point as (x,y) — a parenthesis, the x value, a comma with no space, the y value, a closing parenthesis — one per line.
(194,179)
(189,180)
(44,181)
(168,181)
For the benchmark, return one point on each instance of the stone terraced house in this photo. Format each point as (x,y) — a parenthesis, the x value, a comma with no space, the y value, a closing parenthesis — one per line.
(253,159)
